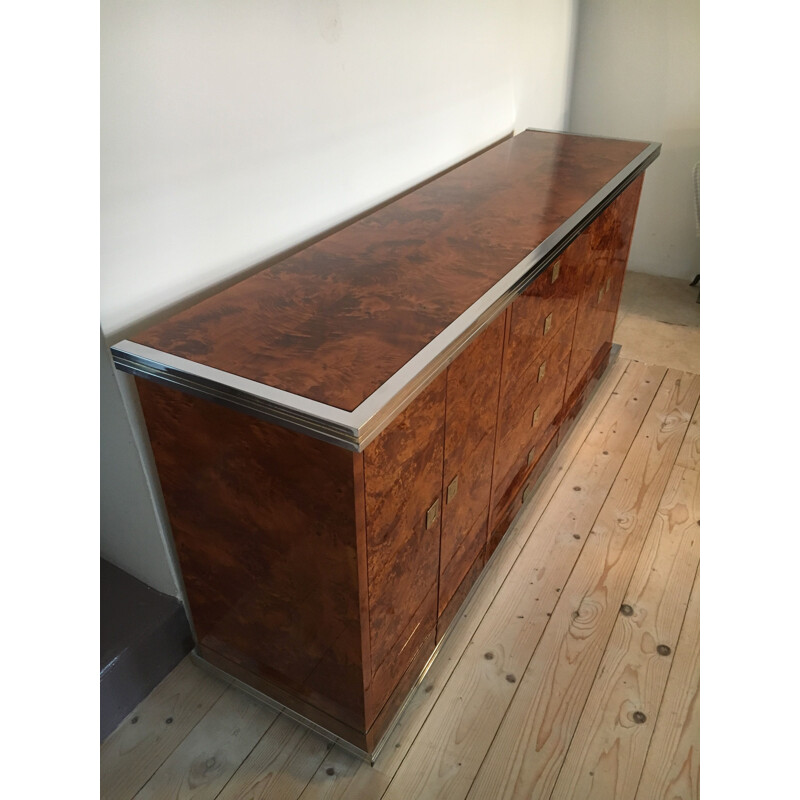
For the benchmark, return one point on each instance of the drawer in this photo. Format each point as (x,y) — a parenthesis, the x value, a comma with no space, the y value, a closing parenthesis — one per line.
(519,491)
(418,633)
(458,596)
(530,403)
(458,566)
(539,314)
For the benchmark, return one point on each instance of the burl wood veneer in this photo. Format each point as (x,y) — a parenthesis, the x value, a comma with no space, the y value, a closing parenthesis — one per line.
(434,353)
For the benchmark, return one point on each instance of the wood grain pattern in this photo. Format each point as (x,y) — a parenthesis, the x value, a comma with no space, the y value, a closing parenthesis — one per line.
(206,759)
(146,737)
(473,385)
(607,752)
(612,255)
(336,320)
(672,768)
(582,390)
(418,635)
(527,752)
(280,765)
(521,441)
(363,781)
(264,526)
(603,249)
(343,776)
(538,314)
(403,478)
(457,582)
(518,492)
(689,455)
(450,745)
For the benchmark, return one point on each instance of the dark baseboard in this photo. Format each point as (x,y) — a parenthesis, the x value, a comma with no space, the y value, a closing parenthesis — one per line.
(143,635)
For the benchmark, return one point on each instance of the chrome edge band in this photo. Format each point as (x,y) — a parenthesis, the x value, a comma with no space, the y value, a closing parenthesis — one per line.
(282,709)
(354,430)
(289,410)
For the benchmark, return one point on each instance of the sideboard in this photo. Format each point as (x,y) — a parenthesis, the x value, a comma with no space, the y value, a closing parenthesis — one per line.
(343,438)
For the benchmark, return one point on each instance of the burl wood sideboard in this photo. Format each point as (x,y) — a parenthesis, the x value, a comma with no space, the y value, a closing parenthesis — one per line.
(343,438)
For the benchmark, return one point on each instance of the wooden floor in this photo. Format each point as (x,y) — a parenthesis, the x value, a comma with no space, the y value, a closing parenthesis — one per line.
(573,671)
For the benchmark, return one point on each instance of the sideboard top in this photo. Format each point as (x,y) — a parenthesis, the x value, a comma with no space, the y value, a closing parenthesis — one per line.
(337,338)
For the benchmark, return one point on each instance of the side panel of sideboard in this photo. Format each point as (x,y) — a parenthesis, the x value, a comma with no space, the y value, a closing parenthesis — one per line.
(264,525)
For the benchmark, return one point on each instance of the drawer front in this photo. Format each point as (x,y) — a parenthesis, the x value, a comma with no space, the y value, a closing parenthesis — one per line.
(460,562)
(419,632)
(537,316)
(519,492)
(402,488)
(459,594)
(473,384)
(530,402)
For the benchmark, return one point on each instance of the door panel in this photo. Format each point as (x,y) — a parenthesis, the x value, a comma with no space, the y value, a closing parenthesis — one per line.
(403,483)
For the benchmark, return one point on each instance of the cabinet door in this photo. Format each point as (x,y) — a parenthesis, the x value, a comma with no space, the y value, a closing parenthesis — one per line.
(473,383)
(622,215)
(530,413)
(603,250)
(402,488)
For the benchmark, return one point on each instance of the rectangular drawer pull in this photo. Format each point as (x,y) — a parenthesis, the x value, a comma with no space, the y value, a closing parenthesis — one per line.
(531,455)
(548,322)
(556,270)
(452,489)
(600,295)
(433,513)
(608,285)
(536,412)
(542,368)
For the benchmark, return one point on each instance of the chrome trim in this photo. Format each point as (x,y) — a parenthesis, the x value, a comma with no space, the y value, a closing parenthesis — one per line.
(279,707)
(375,413)
(289,410)
(354,430)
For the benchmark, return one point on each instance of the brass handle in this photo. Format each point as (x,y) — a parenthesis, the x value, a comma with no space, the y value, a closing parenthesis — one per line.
(548,321)
(556,270)
(452,489)
(542,368)
(433,513)
(530,455)
(600,295)
(608,284)
(536,413)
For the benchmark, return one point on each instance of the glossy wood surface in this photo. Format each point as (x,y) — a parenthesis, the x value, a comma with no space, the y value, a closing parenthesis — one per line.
(264,525)
(519,437)
(473,385)
(419,635)
(335,321)
(403,479)
(461,590)
(604,251)
(517,494)
(324,578)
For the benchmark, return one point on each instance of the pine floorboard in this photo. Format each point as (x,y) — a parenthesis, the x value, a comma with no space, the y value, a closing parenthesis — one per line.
(543,688)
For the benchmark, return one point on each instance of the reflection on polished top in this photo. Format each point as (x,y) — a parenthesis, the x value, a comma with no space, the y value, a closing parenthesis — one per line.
(335,321)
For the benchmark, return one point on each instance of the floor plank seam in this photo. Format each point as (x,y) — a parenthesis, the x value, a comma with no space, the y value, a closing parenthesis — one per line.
(177,744)
(511,567)
(666,682)
(624,594)
(566,581)
(250,752)
(603,654)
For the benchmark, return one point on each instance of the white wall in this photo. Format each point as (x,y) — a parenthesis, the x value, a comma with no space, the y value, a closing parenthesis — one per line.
(132,535)
(637,76)
(233,131)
